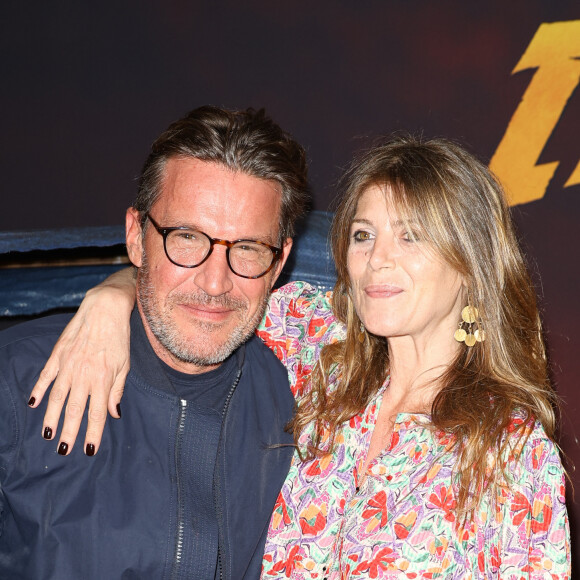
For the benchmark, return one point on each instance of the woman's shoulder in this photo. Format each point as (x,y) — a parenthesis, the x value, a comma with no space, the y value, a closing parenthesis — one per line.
(301,311)
(529,452)
(297,324)
(303,297)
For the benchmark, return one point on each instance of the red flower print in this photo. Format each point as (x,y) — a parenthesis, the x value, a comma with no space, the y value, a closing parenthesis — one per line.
(289,565)
(377,508)
(281,510)
(537,453)
(301,380)
(319,465)
(533,563)
(314,468)
(381,561)
(317,327)
(404,525)
(444,499)
(541,514)
(295,311)
(417,453)
(445,439)
(520,508)
(438,546)
(562,496)
(495,558)
(516,422)
(354,422)
(278,346)
(313,519)
(538,516)
(394,440)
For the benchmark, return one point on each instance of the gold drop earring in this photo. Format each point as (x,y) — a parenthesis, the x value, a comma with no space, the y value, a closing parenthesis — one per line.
(465,332)
(361,336)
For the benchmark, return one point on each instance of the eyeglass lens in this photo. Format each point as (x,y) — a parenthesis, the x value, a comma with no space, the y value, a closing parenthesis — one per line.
(190,247)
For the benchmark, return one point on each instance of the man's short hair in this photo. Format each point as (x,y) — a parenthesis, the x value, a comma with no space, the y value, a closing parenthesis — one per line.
(246,141)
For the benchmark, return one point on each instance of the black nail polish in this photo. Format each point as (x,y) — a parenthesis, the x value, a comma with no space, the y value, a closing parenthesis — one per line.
(119,409)
(47,433)
(90,449)
(31,401)
(63,448)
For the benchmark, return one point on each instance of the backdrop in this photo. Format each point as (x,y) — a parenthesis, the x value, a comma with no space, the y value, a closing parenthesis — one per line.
(86,87)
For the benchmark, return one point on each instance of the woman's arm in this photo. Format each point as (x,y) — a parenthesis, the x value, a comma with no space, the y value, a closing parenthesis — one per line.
(536,535)
(92,355)
(102,321)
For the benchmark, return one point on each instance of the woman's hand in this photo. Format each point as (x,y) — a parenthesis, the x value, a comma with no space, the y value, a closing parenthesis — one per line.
(91,358)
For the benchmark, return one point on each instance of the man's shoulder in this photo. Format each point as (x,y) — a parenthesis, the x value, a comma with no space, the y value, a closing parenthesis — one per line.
(41,330)
(25,348)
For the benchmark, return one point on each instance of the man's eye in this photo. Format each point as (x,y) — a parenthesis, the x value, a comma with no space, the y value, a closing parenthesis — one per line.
(361,236)
(247,248)
(188,235)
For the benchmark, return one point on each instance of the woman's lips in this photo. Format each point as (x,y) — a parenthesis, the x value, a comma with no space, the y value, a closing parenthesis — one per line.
(382,291)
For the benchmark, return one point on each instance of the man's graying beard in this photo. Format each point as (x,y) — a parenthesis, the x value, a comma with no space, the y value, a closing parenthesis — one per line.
(162,325)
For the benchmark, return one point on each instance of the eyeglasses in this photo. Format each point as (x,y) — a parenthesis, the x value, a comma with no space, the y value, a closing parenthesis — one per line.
(190,248)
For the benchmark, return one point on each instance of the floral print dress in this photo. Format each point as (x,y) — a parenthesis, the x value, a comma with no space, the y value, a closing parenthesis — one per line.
(330,522)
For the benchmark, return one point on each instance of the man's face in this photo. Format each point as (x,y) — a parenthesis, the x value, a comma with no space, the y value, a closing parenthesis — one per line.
(196,317)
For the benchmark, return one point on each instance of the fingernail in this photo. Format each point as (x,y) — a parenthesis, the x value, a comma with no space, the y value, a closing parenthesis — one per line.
(47,433)
(31,401)
(63,448)
(90,449)
(119,409)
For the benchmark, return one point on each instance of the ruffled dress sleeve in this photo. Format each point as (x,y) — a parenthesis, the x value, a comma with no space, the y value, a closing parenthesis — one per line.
(299,321)
(535,538)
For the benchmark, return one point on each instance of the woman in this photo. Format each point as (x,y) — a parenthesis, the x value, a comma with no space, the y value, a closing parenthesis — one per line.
(425,436)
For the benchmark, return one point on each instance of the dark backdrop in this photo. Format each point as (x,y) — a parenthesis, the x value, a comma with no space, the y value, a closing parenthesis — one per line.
(86,87)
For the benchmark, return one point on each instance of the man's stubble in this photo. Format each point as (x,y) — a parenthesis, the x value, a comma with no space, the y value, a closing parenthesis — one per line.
(162,324)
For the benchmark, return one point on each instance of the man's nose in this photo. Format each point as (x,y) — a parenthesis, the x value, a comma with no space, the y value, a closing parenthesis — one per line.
(214,276)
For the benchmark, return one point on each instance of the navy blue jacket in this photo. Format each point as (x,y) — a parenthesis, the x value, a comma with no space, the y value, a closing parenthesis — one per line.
(127,511)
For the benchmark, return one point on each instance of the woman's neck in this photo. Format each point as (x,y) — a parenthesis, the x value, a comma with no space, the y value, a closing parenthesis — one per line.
(416,368)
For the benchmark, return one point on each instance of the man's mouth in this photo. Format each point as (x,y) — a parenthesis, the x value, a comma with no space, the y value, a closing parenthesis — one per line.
(205,312)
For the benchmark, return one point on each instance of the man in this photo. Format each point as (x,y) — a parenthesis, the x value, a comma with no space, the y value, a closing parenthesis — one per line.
(184,485)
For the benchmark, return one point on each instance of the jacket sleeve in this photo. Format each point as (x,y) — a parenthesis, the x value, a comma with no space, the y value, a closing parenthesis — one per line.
(536,535)
(298,323)
(8,438)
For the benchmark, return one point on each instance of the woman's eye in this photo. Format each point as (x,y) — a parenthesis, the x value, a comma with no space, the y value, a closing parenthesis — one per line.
(361,236)
(410,237)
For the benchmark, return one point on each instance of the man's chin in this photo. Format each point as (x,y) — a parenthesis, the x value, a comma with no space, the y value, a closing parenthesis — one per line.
(207,348)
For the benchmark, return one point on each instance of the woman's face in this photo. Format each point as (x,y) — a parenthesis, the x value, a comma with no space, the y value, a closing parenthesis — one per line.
(400,286)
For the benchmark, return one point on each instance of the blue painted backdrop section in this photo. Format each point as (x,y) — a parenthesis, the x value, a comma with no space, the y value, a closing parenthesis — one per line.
(29,291)
(61,239)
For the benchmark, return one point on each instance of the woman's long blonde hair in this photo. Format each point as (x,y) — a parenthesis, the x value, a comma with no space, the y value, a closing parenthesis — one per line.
(461,212)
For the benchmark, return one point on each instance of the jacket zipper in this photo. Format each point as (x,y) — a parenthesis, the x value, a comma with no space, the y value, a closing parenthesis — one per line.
(217,481)
(180,523)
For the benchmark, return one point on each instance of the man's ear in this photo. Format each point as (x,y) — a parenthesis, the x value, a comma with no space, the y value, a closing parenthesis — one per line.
(133,236)
(286,247)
